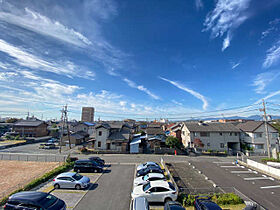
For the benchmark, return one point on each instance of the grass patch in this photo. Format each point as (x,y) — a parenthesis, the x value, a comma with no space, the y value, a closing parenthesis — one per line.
(66,166)
(265,160)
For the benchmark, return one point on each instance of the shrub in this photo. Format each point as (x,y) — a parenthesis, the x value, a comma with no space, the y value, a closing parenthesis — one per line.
(219,198)
(265,160)
(84,150)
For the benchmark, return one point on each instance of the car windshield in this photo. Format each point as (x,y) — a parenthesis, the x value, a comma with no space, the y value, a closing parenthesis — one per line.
(171,186)
(146,187)
(48,201)
(145,177)
(77,176)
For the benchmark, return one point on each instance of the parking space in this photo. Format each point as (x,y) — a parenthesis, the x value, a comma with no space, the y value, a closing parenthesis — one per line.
(71,196)
(262,189)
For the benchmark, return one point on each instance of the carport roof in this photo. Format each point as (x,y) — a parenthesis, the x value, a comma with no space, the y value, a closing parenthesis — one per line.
(211,127)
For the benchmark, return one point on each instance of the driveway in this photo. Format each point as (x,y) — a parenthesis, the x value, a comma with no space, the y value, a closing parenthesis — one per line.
(112,190)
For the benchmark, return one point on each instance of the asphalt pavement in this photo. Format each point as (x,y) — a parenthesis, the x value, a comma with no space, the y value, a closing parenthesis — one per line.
(258,187)
(112,190)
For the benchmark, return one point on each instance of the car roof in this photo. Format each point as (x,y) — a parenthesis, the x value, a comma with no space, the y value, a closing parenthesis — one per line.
(140,202)
(152,175)
(32,196)
(83,160)
(67,174)
(150,162)
(159,183)
(210,204)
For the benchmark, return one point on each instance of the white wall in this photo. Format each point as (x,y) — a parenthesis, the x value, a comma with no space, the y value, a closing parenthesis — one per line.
(102,138)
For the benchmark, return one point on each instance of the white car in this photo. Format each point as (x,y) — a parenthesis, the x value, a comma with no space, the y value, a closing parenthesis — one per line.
(156,191)
(145,165)
(147,178)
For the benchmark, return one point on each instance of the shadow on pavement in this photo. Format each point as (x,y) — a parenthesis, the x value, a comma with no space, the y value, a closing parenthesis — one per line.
(106,171)
(93,186)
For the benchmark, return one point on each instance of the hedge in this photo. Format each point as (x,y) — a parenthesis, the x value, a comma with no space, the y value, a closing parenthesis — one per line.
(219,198)
(265,160)
(66,166)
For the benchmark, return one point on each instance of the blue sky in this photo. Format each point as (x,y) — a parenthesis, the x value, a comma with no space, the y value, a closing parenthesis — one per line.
(138,59)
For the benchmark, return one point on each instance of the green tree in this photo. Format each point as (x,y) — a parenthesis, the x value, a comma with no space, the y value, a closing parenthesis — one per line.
(11,120)
(277,125)
(172,142)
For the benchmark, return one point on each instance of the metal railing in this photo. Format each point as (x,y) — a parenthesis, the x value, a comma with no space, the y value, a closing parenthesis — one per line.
(33,157)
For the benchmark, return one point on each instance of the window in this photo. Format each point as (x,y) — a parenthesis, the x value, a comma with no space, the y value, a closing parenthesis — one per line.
(183,133)
(208,144)
(259,146)
(230,134)
(204,134)
(258,135)
(222,145)
(99,144)
(235,133)
(221,134)
(195,134)
(162,189)
(274,135)
(153,189)
(100,133)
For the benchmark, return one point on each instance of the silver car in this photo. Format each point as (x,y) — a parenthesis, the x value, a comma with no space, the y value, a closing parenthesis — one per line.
(71,180)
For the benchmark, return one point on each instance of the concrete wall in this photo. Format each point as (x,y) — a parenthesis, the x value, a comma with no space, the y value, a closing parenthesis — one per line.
(268,169)
(102,138)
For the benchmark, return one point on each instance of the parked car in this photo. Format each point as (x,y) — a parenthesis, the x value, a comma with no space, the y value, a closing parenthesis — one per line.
(30,200)
(205,203)
(156,191)
(140,203)
(145,165)
(151,169)
(47,146)
(52,140)
(98,160)
(87,166)
(148,178)
(173,205)
(71,180)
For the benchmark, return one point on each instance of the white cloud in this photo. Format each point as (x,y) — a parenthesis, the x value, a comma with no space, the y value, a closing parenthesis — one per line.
(123,103)
(4,76)
(264,79)
(177,103)
(198,4)
(41,24)
(188,90)
(235,65)
(272,28)
(141,88)
(272,56)
(29,60)
(225,18)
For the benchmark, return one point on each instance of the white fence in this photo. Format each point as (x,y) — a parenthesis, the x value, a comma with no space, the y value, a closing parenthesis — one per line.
(265,168)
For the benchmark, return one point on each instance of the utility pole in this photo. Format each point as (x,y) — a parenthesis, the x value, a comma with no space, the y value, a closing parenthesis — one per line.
(64,121)
(266,129)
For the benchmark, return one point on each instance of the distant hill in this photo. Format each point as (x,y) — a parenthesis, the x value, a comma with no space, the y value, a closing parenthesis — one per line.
(252,117)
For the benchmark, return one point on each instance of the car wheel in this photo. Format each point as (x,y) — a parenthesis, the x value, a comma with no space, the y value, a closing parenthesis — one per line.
(56,186)
(78,187)
(167,199)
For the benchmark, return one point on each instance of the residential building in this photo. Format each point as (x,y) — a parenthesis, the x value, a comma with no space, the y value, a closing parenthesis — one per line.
(112,136)
(31,128)
(254,135)
(175,130)
(76,138)
(211,136)
(87,114)
(84,126)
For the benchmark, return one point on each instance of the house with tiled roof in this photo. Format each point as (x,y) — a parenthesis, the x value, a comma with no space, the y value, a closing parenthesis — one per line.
(254,135)
(31,128)
(211,136)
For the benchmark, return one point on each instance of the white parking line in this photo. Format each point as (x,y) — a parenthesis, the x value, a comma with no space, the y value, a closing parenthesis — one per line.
(243,172)
(220,162)
(230,166)
(257,178)
(269,187)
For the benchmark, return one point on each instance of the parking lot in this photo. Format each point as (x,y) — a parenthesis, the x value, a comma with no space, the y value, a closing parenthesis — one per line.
(259,187)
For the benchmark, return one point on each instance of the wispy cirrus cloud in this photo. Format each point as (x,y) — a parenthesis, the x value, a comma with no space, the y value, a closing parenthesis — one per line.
(41,24)
(234,65)
(26,59)
(264,79)
(198,4)
(188,90)
(272,55)
(273,27)
(225,18)
(141,88)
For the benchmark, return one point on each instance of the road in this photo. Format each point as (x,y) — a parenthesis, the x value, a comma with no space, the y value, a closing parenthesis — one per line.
(112,190)
(262,189)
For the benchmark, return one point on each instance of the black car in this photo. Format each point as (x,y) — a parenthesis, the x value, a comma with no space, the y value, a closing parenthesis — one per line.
(31,200)
(205,203)
(87,166)
(151,169)
(98,160)
(173,205)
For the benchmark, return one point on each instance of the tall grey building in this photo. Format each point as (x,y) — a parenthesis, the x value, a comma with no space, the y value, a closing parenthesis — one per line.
(87,114)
